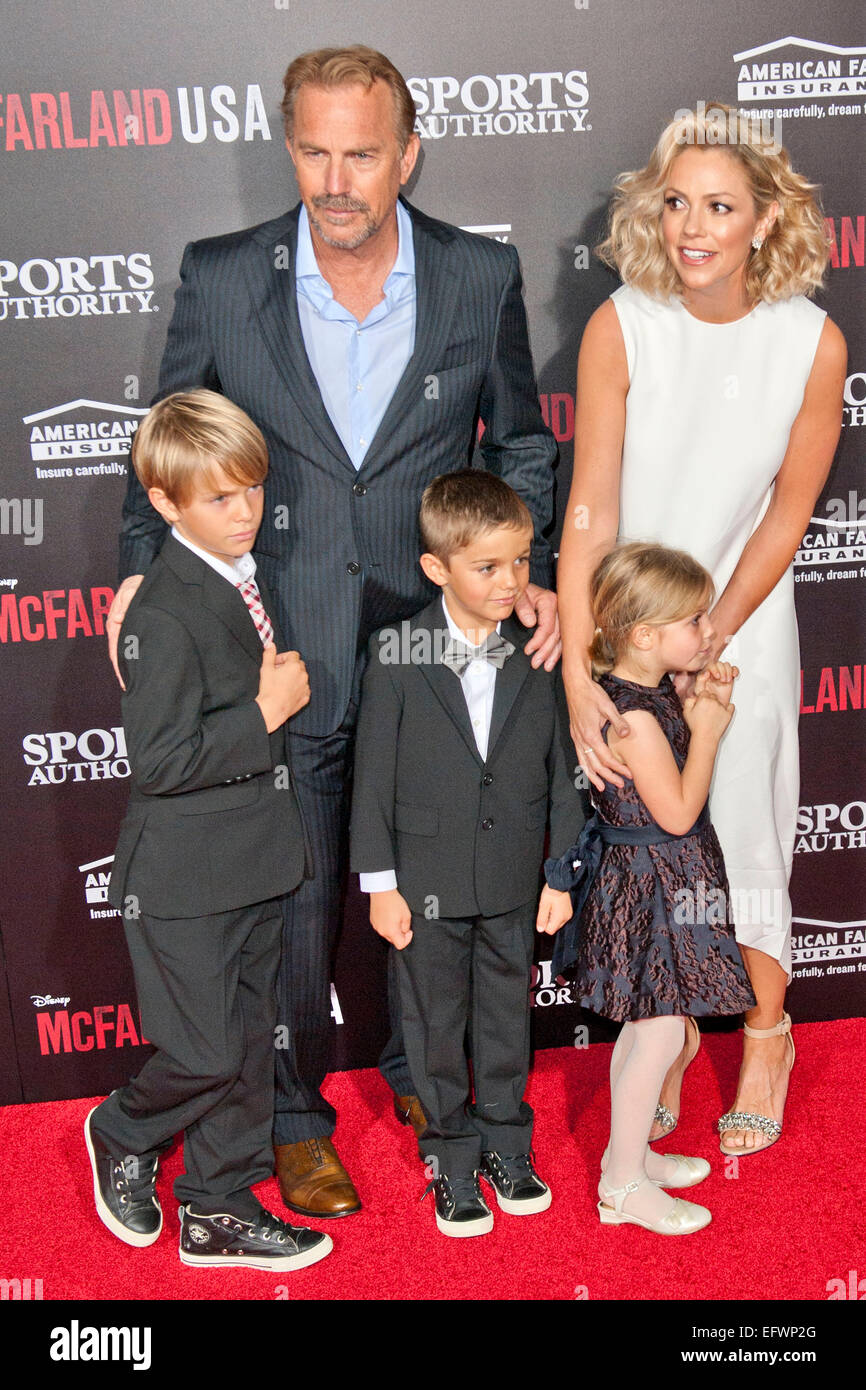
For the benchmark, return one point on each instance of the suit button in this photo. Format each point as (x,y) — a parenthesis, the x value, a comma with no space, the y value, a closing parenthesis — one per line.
(360,490)
(487,824)
(353,567)
(486,780)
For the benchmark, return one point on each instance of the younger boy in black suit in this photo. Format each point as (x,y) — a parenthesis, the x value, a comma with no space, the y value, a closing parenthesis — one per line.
(461,751)
(212,837)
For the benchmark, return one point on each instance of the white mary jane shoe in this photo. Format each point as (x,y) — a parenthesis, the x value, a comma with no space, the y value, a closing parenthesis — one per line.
(689,1171)
(683,1219)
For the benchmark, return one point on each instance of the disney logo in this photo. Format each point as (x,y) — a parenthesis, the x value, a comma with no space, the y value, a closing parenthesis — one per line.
(40,1000)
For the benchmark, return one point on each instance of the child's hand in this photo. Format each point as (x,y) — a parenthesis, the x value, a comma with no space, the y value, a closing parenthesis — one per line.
(717,679)
(391,917)
(554,910)
(704,714)
(284,686)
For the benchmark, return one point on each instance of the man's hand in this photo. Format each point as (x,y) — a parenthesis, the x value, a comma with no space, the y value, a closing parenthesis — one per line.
(537,608)
(284,686)
(391,917)
(717,679)
(554,910)
(115,617)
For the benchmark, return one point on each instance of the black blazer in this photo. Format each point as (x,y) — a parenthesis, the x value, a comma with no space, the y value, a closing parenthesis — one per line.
(338,548)
(213,823)
(466,833)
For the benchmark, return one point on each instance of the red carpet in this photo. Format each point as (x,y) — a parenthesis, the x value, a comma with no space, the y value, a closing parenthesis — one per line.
(783,1226)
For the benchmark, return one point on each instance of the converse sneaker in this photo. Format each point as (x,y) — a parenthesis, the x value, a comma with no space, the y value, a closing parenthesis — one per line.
(460,1208)
(519,1189)
(124,1190)
(267,1243)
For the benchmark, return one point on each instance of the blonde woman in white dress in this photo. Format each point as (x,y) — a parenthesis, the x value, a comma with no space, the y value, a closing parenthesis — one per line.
(709,405)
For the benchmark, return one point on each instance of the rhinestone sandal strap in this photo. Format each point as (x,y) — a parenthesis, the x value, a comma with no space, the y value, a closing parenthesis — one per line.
(741,1119)
(665,1117)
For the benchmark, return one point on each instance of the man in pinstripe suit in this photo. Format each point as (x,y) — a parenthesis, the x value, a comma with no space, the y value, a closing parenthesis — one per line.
(366,340)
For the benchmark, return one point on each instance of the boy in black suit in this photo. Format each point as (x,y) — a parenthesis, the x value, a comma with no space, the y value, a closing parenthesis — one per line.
(212,838)
(461,750)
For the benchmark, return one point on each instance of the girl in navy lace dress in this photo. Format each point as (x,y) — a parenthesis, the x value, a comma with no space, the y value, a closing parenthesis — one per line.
(653,943)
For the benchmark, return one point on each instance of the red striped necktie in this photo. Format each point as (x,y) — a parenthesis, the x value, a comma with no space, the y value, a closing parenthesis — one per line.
(253,599)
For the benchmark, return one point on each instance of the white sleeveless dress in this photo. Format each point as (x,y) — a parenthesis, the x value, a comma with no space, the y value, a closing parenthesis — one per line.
(708,415)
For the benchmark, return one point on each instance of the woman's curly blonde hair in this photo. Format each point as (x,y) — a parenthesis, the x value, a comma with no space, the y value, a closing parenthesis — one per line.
(793,257)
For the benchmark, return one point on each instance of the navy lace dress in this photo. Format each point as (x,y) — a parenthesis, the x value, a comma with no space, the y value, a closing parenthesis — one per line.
(654,937)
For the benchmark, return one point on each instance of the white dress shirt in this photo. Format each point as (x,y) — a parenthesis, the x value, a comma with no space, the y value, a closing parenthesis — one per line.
(479,685)
(235,571)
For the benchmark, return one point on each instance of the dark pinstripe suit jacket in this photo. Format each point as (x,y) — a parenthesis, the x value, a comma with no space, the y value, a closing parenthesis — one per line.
(338,549)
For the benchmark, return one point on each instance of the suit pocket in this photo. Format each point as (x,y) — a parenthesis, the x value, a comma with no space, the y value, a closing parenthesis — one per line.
(416,820)
(536,813)
(208,799)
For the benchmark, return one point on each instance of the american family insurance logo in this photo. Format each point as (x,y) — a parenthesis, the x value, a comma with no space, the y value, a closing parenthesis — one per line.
(509,103)
(82,439)
(834,547)
(808,79)
(117,119)
(96,879)
(69,287)
(819,947)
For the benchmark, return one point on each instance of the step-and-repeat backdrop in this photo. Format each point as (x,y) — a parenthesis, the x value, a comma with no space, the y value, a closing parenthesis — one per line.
(126,132)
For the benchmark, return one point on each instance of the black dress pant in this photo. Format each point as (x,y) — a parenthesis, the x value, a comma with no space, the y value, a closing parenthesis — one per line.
(206,993)
(322,772)
(458,974)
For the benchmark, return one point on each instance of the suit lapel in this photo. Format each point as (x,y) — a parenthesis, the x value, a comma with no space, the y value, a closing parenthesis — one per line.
(217,594)
(508,681)
(438,281)
(444,683)
(270,277)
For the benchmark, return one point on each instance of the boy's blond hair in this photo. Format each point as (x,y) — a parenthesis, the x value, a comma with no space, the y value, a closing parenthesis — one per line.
(187,436)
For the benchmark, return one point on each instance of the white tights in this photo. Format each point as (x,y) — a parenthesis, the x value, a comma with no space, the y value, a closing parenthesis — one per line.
(643,1053)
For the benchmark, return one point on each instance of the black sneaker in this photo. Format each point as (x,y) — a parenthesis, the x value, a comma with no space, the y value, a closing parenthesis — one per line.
(519,1189)
(124,1190)
(265,1244)
(460,1208)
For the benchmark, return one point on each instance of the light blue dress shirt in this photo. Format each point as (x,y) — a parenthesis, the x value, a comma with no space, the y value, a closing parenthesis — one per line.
(357,365)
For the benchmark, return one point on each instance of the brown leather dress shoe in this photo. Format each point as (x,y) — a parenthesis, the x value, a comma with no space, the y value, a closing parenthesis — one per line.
(407,1109)
(313,1181)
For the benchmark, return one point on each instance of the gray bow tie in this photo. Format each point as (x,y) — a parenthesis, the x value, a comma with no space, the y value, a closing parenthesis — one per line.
(495,649)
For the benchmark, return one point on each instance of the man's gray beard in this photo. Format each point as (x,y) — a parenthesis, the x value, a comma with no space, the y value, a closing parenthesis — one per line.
(365,233)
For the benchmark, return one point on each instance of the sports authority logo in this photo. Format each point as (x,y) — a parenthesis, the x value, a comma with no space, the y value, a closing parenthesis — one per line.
(545,988)
(97,755)
(142,116)
(96,878)
(827,948)
(827,826)
(797,68)
(511,103)
(82,439)
(68,287)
